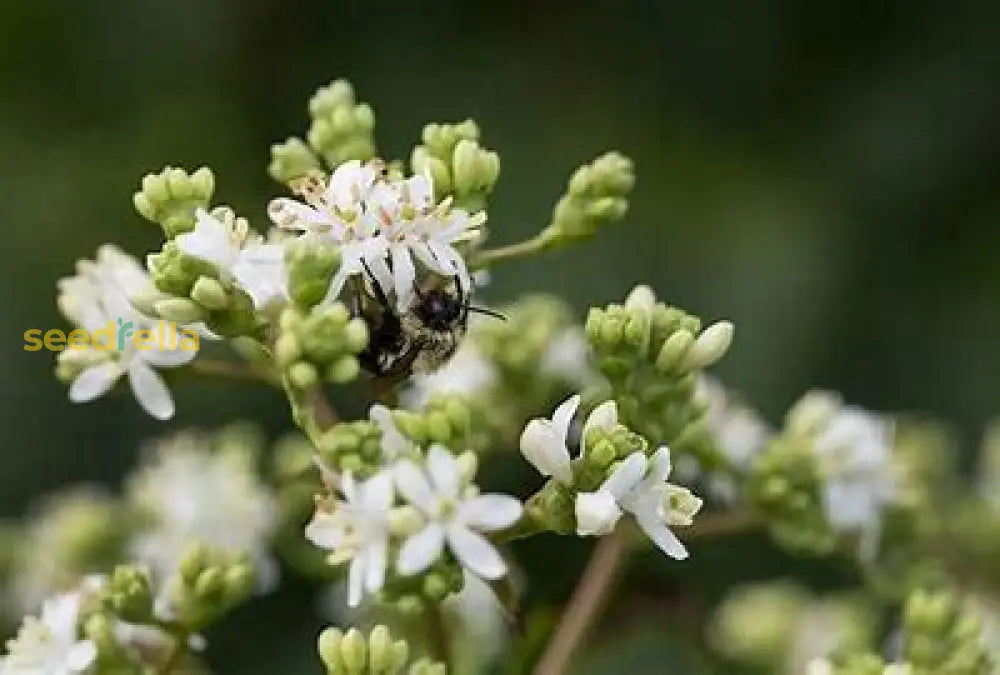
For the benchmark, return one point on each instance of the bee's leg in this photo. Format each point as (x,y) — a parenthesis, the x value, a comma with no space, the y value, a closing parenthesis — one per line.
(403,367)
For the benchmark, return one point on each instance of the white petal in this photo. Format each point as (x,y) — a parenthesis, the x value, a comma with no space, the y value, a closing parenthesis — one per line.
(604,416)
(81,656)
(377,494)
(324,531)
(393,442)
(167,334)
(94,382)
(412,483)
(260,271)
(476,553)
(659,465)
(661,535)
(627,476)
(403,275)
(444,471)
(544,448)
(292,215)
(563,416)
(596,513)
(421,550)
(490,512)
(150,391)
(376,555)
(208,241)
(355,581)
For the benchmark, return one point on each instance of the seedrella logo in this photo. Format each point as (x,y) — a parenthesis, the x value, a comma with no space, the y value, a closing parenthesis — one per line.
(119,335)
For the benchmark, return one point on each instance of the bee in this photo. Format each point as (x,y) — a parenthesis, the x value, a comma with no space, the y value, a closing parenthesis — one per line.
(422,338)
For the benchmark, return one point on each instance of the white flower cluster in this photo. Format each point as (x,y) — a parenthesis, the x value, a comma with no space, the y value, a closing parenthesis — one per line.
(854,451)
(50,644)
(190,493)
(98,297)
(381,224)
(433,491)
(638,485)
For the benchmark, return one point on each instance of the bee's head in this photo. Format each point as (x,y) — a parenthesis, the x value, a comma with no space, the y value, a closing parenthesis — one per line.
(439,309)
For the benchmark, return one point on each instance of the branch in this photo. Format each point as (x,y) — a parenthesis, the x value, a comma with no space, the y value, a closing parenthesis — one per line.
(233,370)
(536,244)
(586,603)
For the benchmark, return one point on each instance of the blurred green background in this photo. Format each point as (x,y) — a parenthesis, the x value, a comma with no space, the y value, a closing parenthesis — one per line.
(825,174)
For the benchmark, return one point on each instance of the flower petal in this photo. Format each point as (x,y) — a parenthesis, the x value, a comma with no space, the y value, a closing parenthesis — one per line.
(421,550)
(490,512)
(355,581)
(412,483)
(289,214)
(604,416)
(377,493)
(150,390)
(393,442)
(94,382)
(325,531)
(444,471)
(81,656)
(659,465)
(476,553)
(627,476)
(208,241)
(661,535)
(166,351)
(542,446)
(563,416)
(403,276)
(596,513)
(376,559)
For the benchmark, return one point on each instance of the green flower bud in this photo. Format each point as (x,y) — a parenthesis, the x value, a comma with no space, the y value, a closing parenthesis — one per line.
(171,197)
(596,194)
(424,163)
(174,273)
(674,352)
(343,370)
(328,646)
(209,293)
(404,521)
(427,667)
(710,346)
(354,651)
(310,268)
(180,310)
(129,594)
(291,160)
(287,349)
(303,375)
(210,584)
(341,129)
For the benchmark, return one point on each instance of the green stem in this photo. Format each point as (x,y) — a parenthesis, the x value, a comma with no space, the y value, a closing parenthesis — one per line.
(233,370)
(536,244)
(176,654)
(438,636)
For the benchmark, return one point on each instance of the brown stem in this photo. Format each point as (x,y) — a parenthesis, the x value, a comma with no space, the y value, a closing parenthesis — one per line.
(718,525)
(177,652)
(324,413)
(586,603)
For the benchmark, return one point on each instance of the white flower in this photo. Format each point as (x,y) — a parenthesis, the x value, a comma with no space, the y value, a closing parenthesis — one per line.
(239,254)
(544,441)
(194,493)
(452,517)
(854,449)
(640,488)
(411,226)
(467,373)
(50,644)
(97,298)
(356,529)
(337,212)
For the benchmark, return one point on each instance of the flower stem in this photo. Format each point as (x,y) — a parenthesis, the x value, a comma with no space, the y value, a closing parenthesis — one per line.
(232,370)
(176,654)
(438,635)
(535,244)
(586,603)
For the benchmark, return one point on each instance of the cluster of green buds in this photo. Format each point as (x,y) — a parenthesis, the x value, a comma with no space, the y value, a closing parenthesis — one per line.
(943,634)
(341,129)
(378,653)
(652,355)
(597,193)
(319,344)
(189,289)
(784,487)
(207,585)
(458,165)
(170,198)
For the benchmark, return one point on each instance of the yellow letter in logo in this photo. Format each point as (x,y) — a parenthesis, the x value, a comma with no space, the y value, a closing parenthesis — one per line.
(104,338)
(32,341)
